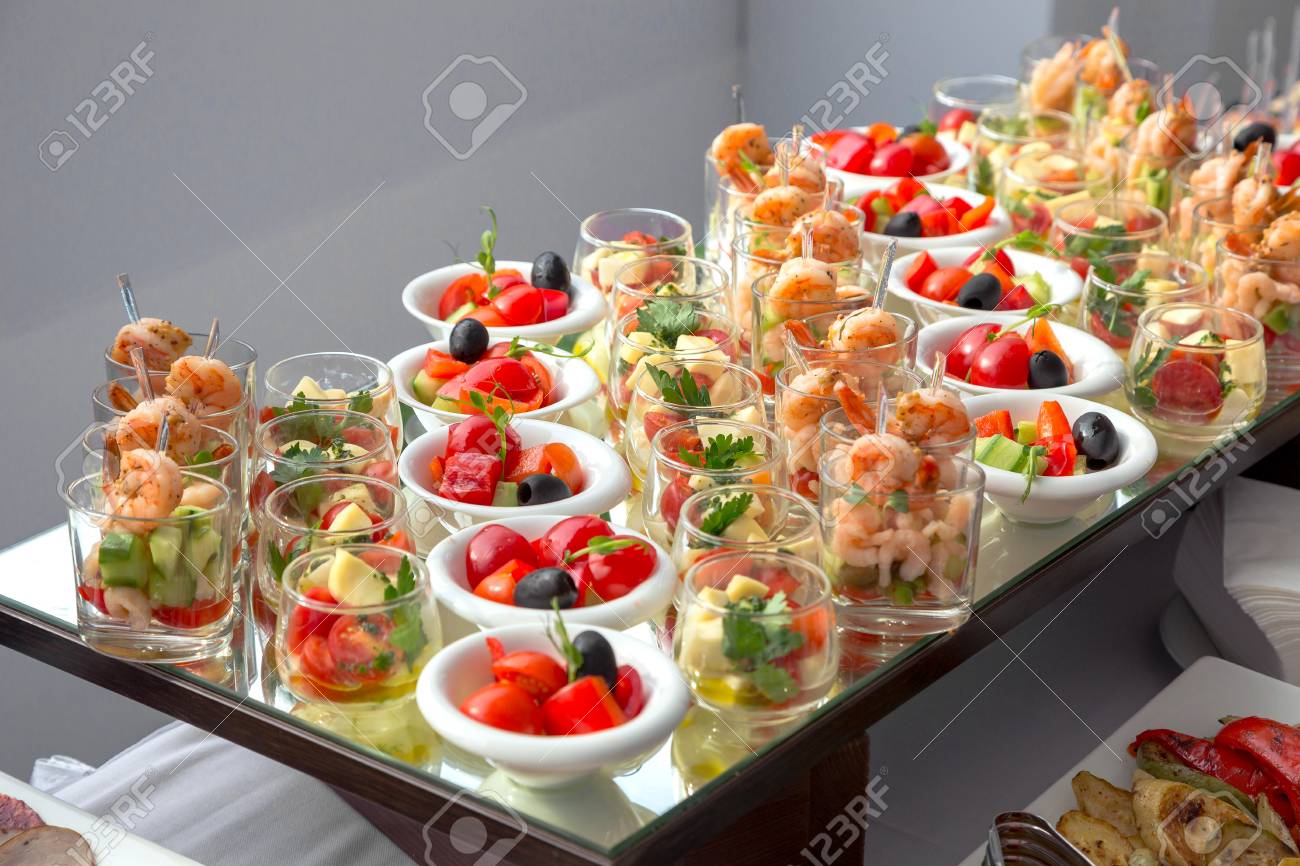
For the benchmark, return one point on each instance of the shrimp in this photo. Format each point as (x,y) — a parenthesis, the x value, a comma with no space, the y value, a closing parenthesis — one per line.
(1252,199)
(1127,101)
(1100,69)
(781,205)
(1051,84)
(801,288)
(202,495)
(1217,175)
(148,487)
(867,328)
(835,239)
(1169,132)
(803,173)
(138,428)
(737,144)
(1255,293)
(128,603)
(884,461)
(931,416)
(1282,238)
(804,402)
(207,380)
(122,399)
(162,342)
(860,414)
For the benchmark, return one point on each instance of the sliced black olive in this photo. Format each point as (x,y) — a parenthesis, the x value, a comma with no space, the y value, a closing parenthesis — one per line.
(597,657)
(468,340)
(904,225)
(980,292)
(1047,370)
(1252,131)
(536,589)
(550,272)
(542,488)
(1096,438)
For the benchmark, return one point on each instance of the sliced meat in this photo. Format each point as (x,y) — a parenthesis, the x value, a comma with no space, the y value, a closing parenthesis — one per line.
(47,846)
(16,816)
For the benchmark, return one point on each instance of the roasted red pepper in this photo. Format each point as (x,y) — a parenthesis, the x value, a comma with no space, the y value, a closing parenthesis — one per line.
(1275,747)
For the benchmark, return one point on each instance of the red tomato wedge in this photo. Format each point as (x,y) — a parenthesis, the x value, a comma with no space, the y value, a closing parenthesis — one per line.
(582,707)
(505,706)
(470,477)
(464,289)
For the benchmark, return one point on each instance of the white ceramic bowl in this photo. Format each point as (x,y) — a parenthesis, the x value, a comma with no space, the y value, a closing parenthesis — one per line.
(997,228)
(605,474)
(447,576)
(856,184)
(421,296)
(1052,500)
(463,667)
(572,379)
(1061,279)
(1097,369)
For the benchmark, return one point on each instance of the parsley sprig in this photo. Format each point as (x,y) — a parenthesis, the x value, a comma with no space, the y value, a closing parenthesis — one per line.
(720,452)
(487,242)
(601,544)
(499,416)
(681,390)
(517,350)
(754,635)
(723,512)
(667,320)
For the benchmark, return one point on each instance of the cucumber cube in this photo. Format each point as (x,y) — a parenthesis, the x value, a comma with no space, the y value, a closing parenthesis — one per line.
(124,560)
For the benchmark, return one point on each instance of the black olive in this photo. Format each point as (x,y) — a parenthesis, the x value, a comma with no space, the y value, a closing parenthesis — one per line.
(980,292)
(904,225)
(1096,438)
(541,488)
(1252,131)
(1047,370)
(536,589)
(597,657)
(550,272)
(908,130)
(468,341)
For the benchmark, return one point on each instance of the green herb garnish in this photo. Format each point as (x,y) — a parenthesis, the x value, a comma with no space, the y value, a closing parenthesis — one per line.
(361,402)
(667,320)
(517,350)
(724,512)
(680,391)
(486,257)
(601,544)
(721,452)
(560,640)
(403,582)
(753,644)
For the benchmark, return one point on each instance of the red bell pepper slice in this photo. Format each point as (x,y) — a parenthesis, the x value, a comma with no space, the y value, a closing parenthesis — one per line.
(1276,748)
(978,215)
(994,423)
(920,268)
(1052,423)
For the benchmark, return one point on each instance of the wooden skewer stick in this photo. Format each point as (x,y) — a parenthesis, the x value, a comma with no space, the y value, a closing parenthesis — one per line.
(807,241)
(161,445)
(128,297)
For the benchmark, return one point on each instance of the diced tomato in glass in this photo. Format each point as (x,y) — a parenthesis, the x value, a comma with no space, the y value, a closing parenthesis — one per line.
(94,595)
(670,501)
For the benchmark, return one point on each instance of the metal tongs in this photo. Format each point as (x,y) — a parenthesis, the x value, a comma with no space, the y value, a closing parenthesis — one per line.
(1025,839)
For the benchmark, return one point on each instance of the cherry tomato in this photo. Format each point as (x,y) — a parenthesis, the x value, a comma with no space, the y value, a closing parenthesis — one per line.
(520,304)
(499,586)
(536,673)
(492,547)
(197,615)
(882,133)
(478,435)
(316,662)
(569,535)
(653,421)
(891,160)
(1061,455)
(1288,166)
(1186,387)
(489,317)
(584,706)
(926,150)
(440,365)
(495,375)
(359,646)
(919,271)
(615,574)
(629,691)
(555,304)
(968,345)
(955,119)
(306,621)
(94,595)
(505,706)
(670,502)
(384,470)
(944,284)
(261,488)
(507,277)
(815,625)
(1004,363)
(460,293)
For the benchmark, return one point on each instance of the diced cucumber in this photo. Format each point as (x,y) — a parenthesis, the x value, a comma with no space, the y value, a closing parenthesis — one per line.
(172,590)
(506,495)
(165,545)
(1026,432)
(1277,320)
(1002,453)
(425,387)
(201,547)
(1037,287)
(124,560)
(462,311)
(192,511)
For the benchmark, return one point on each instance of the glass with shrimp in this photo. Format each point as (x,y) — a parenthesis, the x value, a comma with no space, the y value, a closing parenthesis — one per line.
(750,517)
(357,624)
(837,432)
(1212,221)
(164,346)
(152,547)
(1148,177)
(1003,133)
(1047,65)
(670,392)
(696,455)
(1269,290)
(867,333)
(1093,228)
(663,330)
(334,380)
(320,511)
(1094,87)
(756,637)
(1038,181)
(804,394)
(1120,287)
(900,537)
(611,239)
(1196,371)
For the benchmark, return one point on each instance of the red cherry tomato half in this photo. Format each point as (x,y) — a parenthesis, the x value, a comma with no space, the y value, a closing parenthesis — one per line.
(919,271)
(520,304)
(891,160)
(478,435)
(1288,166)
(963,352)
(499,586)
(629,691)
(505,706)
(359,646)
(926,150)
(489,317)
(584,706)
(1004,363)
(569,536)
(536,673)
(613,575)
(555,304)
(384,470)
(315,661)
(670,502)
(495,375)
(307,621)
(492,547)
(463,290)
(955,119)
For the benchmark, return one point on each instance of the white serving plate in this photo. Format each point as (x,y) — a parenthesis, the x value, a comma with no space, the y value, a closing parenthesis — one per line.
(1052,500)
(997,228)
(1097,369)
(586,305)
(856,184)
(447,579)
(1208,690)
(109,842)
(573,382)
(1065,284)
(463,667)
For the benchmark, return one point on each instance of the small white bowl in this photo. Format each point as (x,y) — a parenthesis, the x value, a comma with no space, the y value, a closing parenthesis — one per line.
(1061,279)
(605,474)
(572,379)
(997,228)
(1097,369)
(447,577)
(463,667)
(421,295)
(1052,500)
(856,184)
